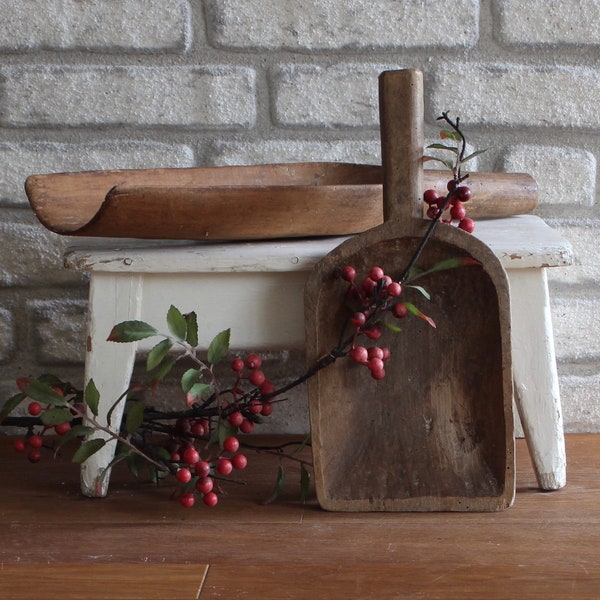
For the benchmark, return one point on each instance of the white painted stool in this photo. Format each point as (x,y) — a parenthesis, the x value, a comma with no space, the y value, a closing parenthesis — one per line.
(256,289)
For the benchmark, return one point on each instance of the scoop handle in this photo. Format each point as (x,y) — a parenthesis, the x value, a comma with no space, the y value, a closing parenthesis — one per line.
(401,119)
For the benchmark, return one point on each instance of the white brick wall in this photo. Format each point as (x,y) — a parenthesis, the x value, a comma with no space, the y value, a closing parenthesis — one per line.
(148,83)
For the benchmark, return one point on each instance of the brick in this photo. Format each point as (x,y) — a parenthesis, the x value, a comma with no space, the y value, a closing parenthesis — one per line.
(583,236)
(557,170)
(572,22)
(576,326)
(111,25)
(59,330)
(77,96)
(31,256)
(517,95)
(18,161)
(338,96)
(579,396)
(7,335)
(352,24)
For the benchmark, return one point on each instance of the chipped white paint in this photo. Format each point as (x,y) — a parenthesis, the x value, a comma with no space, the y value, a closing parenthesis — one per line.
(140,280)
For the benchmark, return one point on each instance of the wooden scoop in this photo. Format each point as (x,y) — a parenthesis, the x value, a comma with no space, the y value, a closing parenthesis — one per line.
(437,432)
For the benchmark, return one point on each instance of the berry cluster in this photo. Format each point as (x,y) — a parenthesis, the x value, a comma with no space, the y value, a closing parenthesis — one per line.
(374,295)
(199,475)
(454,202)
(33,442)
(240,414)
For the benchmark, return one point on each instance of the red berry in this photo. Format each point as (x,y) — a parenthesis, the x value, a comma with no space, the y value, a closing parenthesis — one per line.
(239,461)
(204,485)
(267,409)
(20,445)
(197,428)
(210,499)
(375,364)
(373,333)
(386,353)
(432,211)
(458,211)
(191,456)
(257,377)
(451,185)
(183,475)
(175,456)
(254,408)
(376,273)
(368,285)
(359,354)
(358,319)
(224,466)
(231,444)
(34,455)
(36,441)
(237,365)
(348,273)
(236,418)
(467,225)
(399,310)
(463,193)
(394,289)
(378,374)
(62,428)
(253,361)
(430,196)
(266,388)
(35,409)
(187,500)
(202,468)
(183,425)
(375,352)
(247,426)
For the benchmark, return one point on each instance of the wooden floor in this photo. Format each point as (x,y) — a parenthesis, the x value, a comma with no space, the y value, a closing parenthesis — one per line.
(137,543)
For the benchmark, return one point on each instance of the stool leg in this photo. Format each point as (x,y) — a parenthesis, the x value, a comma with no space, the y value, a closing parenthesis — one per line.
(114,297)
(536,377)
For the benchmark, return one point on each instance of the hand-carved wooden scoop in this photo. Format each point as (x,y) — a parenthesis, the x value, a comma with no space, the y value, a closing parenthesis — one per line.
(437,432)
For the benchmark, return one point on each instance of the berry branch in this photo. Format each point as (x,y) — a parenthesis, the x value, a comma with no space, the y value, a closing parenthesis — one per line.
(200,444)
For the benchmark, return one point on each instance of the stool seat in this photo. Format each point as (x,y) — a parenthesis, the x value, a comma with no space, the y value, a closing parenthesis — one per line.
(140,279)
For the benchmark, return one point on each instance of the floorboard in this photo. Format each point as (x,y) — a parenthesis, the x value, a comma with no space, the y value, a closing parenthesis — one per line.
(138,543)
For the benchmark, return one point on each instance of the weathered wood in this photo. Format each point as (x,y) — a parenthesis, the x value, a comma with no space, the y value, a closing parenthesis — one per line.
(437,432)
(251,202)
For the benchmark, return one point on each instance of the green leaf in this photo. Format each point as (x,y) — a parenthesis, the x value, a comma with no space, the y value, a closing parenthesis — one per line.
(224,430)
(163,371)
(119,457)
(443,147)
(188,379)
(305,442)
(219,347)
(158,353)
(279,483)
(41,392)
(200,390)
(56,416)
(131,331)
(415,311)
(420,289)
(448,134)
(191,336)
(11,404)
(91,397)
(447,163)
(87,449)
(473,155)
(392,327)
(176,323)
(135,416)
(304,483)
(448,263)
